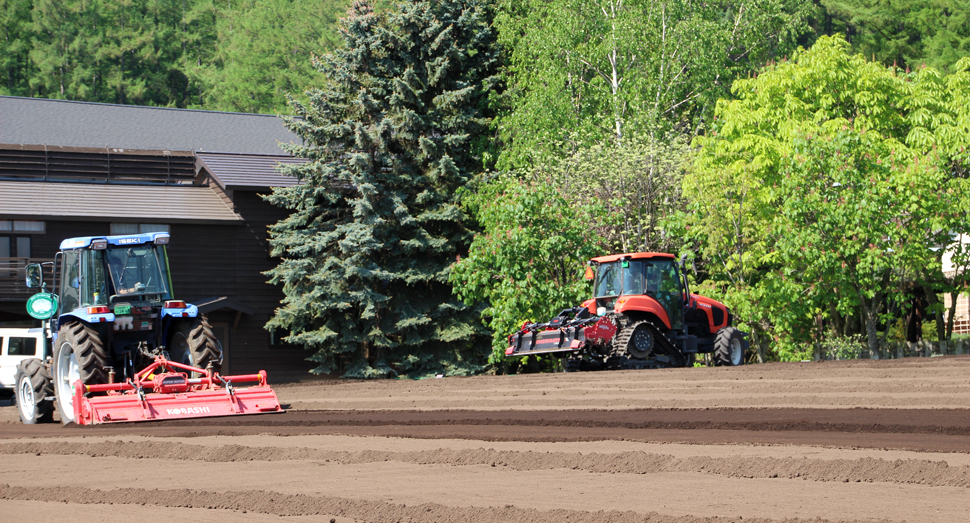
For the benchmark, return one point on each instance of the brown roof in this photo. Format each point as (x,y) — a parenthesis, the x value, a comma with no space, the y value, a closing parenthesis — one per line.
(107,202)
(247,171)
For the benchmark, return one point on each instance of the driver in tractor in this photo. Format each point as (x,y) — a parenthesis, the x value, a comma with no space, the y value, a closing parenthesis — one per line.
(653,280)
(632,282)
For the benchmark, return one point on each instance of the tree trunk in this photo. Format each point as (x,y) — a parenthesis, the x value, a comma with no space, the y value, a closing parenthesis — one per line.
(951,314)
(870,313)
(933,299)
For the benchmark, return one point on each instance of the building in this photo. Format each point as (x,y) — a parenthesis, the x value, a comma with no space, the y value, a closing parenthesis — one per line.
(961,314)
(82,169)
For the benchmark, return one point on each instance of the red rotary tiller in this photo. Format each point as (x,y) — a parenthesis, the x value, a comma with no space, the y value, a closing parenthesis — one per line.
(161,392)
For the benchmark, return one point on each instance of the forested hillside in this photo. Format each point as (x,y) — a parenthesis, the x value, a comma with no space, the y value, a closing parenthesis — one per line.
(244,55)
(227,55)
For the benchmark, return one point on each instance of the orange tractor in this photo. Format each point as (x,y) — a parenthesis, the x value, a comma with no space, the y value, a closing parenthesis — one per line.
(642,315)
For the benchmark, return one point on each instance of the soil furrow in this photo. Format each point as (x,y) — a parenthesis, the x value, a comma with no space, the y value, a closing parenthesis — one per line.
(279,504)
(923,472)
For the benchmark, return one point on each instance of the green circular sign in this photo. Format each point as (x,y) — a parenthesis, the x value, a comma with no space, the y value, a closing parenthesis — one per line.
(42,305)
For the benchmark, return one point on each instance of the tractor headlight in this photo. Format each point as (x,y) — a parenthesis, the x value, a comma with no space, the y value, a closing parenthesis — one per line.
(601,311)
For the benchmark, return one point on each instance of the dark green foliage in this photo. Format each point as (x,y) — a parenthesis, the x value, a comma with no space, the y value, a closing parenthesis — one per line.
(14,47)
(908,33)
(244,55)
(375,226)
(104,51)
(255,52)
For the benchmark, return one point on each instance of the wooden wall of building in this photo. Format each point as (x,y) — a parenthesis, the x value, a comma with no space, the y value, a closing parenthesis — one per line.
(212,261)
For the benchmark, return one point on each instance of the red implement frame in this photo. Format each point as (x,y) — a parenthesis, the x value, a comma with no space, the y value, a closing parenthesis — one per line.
(161,392)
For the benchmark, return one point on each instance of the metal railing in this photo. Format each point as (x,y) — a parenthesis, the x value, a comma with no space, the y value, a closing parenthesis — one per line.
(13,285)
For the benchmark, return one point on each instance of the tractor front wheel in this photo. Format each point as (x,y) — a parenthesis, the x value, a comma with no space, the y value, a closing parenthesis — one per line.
(79,355)
(33,388)
(728,347)
(195,344)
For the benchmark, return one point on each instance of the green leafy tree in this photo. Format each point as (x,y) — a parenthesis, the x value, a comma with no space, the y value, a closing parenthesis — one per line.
(375,227)
(638,184)
(615,68)
(527,262)
(825,187)
(846,224)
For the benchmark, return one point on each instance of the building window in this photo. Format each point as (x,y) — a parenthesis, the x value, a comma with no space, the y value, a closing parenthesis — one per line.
(21,226)
(15,239)
(14,246)
(136,228)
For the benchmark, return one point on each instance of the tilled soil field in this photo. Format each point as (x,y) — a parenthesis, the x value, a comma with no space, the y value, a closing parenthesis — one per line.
(799,442)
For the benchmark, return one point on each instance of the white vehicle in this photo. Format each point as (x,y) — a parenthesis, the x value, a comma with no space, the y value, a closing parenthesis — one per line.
(23,373)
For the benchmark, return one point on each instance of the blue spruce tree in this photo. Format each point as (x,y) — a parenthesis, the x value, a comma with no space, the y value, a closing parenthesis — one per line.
(375,224)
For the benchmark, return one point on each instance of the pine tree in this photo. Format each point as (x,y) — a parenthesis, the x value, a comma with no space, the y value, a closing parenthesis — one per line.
(376,224)
(15,41)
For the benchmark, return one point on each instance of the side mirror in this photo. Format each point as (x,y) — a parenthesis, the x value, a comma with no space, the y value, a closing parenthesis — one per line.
(35,277)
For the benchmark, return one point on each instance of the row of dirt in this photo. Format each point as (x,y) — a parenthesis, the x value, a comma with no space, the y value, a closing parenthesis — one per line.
(831,441)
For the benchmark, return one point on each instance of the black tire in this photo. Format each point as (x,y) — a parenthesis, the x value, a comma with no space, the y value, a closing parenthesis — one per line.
(33,388)
(729,347)
(195,344)
(79,355)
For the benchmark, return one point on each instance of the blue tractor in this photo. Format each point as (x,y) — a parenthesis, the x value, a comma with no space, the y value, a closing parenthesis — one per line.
(113,316)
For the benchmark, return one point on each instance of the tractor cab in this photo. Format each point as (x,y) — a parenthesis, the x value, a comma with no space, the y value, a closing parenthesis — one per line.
(104,271)
(618,278)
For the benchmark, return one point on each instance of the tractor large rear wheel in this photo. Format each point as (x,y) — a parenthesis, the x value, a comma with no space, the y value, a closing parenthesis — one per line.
(34,386)
(728,347)
(195,344)
(79,355)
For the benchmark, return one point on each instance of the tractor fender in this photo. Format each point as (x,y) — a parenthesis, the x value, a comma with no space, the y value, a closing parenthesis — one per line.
(634,304)
(82,315)
(716,312)
(590,306)
(190,311)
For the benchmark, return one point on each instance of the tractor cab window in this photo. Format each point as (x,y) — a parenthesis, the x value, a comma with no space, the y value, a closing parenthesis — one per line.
(619,278)
(609,279)
(632,277)
(663,283)
(70,282)
(94,286)
(138,270)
